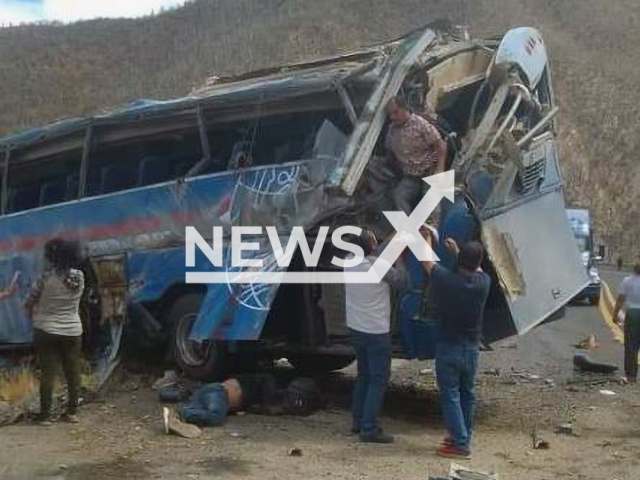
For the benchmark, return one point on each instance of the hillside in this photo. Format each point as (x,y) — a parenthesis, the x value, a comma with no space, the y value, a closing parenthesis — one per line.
(52,71)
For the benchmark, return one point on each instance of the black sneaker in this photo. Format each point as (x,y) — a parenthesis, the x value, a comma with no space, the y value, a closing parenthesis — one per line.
(377,437)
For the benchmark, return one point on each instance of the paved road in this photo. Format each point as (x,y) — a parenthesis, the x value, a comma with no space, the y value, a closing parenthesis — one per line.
(549,349)
(613,277)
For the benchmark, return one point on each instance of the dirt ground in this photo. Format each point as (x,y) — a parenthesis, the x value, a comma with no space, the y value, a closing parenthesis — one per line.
(121,436)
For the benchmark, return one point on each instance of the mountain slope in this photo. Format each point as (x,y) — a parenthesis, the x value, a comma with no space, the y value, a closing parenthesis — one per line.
(52,71)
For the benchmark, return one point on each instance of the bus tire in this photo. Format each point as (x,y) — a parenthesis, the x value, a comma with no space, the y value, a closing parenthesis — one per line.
(204,362)
(310,364)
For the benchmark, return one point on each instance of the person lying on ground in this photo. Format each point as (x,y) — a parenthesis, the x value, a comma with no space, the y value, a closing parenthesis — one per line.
(254,393)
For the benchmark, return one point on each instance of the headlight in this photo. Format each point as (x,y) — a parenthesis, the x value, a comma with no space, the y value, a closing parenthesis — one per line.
(594,275)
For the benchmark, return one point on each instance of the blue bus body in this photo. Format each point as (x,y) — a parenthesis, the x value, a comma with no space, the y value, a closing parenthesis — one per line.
(285,148)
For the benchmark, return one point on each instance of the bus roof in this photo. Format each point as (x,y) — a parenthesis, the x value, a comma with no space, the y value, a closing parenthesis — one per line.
(262,86)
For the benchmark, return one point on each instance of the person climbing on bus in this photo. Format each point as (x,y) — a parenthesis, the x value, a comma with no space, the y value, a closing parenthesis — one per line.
(53,306)
(417,147)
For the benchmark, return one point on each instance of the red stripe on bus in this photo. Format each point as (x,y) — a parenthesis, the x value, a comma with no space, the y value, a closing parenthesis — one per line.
(138,225)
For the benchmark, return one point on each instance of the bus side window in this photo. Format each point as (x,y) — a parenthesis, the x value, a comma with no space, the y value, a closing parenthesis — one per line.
(117,177)
(24,198)
(153,170)
(180,169)
(52,192)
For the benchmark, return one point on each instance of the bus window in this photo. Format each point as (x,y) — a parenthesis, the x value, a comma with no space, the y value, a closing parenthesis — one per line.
(41,183)
(153,170)
(269,140)
(118,177)
(53,192)
(281,139)
(23,198)
(141,162)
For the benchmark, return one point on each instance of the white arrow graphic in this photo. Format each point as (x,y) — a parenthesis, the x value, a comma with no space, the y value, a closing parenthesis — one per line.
(407,228)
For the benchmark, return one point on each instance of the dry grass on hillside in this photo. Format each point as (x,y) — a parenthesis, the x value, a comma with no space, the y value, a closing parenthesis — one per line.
(52,71)
(17,386)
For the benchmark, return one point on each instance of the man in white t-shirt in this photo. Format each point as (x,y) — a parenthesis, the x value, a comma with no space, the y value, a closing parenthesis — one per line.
(368,312)
(629,299)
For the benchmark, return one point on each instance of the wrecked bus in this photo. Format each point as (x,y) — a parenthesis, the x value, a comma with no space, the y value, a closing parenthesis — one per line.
(299,145)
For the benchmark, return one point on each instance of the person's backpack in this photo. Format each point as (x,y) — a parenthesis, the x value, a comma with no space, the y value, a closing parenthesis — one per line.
(303,397)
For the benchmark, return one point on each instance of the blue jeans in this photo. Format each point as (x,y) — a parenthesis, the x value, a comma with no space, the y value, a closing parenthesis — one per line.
(373,354)
(456,367)
(208,406)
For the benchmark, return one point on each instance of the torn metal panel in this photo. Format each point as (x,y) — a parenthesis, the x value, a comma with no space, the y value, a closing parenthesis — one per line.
(108,361)
(366,132)
(281,196)
(535,256)
(480,135)
(505,259)
(112,285)
(457,72)
(525,48)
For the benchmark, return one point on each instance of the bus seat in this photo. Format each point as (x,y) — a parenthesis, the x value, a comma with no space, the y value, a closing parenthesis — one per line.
(24,198)
(153,170)
(117,177)
(52,192)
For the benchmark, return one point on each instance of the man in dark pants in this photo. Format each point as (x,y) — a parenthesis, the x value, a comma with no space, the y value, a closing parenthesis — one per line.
(629,298)
(368,312)
(460,298)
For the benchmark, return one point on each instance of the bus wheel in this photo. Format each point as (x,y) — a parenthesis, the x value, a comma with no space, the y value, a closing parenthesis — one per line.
(204,361)
(317,364)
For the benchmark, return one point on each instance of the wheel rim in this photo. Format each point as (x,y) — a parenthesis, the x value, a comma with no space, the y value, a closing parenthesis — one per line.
(192,353)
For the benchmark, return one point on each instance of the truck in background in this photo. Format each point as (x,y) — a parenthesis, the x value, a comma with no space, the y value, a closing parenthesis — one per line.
(580,221)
